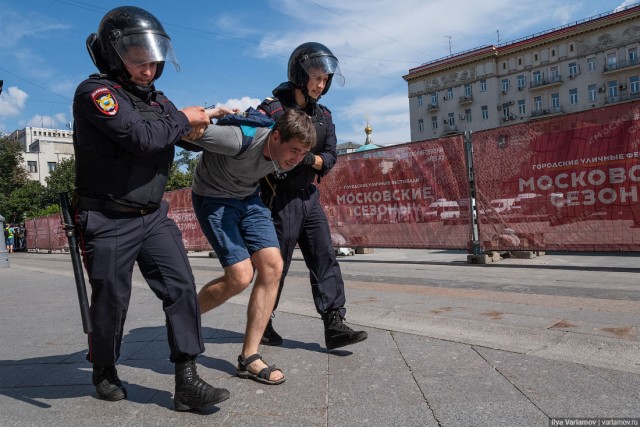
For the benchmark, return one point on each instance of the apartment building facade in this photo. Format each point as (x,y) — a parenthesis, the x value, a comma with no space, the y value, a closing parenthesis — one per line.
(588,64)
(43,150)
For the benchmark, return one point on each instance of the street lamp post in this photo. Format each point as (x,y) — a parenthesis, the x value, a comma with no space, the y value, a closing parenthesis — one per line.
(4,255)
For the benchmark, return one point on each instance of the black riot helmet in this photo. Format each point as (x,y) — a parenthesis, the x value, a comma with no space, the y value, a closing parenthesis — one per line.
(123,28)
(309,58)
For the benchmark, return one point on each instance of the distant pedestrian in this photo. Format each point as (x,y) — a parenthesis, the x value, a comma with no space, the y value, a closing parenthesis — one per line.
(9,238)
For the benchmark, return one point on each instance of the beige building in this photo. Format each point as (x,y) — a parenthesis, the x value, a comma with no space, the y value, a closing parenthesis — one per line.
(43,149)
(587,64)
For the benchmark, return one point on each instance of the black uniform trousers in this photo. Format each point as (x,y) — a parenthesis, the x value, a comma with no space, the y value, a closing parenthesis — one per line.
(111,243)
(298,217)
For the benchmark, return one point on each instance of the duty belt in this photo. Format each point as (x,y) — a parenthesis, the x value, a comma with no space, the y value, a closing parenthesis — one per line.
(89,203)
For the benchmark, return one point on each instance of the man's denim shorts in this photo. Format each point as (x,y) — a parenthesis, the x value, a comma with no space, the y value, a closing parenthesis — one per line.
(235,228)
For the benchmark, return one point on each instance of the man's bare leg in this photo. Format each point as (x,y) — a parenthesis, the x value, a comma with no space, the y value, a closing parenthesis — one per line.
(268,263)
(237,278)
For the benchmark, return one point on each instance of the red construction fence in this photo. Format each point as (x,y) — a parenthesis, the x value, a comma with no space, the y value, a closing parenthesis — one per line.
(563,183)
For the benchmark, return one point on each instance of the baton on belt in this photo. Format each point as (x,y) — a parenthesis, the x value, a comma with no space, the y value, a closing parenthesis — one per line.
(69,229)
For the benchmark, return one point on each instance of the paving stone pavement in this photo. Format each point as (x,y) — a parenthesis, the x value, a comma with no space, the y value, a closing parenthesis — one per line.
(511,344)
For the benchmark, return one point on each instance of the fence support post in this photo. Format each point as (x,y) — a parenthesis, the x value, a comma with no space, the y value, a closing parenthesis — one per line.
(476,249)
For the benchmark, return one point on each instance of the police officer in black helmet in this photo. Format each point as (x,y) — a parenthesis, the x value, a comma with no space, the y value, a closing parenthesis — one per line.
(294,199)
(124,136)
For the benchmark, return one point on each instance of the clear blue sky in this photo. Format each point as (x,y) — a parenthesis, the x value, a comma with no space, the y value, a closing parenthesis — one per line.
(236,52)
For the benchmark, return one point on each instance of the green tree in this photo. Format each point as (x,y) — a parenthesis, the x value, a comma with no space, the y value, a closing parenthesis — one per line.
(26,201)
(12,175)
(181,172)
(60,180)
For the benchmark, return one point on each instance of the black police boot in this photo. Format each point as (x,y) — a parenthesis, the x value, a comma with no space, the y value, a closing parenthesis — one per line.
(108,385)
(192,392)
(270,336)
(337,334)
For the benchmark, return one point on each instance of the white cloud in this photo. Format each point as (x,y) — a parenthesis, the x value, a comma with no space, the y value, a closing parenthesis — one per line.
(15,27)
(625,4)
(12,101)
(58,121)
(242,103)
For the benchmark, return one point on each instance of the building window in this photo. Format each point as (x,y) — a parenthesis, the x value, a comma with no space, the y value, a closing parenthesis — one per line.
(521,82)
(519,61)
(592,92)
(51,166)
(434,122)
(521,107)
(483,85)
(419,100)
(452,119)
(553,53)
(449,93)
(505,85)
(611,60)
(420,125)
(434,98)
(535,57)
(554,75)
(506,112)
(485,112)
(33,166)
(467,89)
(573,69)
(591,64)
(555,101)
(573,96)
(634,84)
(467,115)
(613,90)
(537,103)
(537,76)
(632,54)
(571,47)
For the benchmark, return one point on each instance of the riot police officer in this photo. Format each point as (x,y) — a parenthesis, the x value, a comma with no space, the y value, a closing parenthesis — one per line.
(124,136)
(294,199)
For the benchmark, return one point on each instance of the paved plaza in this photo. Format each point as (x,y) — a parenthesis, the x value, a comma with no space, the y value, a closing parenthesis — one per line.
(514,343)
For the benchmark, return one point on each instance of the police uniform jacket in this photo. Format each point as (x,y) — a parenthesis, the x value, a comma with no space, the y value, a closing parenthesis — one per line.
(302,175)
(124,142)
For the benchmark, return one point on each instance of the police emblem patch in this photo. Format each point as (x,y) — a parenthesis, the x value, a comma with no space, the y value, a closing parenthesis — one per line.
(105,101)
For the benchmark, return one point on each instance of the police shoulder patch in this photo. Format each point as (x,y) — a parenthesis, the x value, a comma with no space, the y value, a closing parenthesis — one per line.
(105,101)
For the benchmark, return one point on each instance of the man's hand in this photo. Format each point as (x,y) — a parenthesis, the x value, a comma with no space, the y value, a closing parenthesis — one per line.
(309,159)
(196,116)
(218,112)
(196,132)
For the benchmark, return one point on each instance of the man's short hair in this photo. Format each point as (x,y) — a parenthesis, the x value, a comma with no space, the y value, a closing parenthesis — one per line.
(296,124)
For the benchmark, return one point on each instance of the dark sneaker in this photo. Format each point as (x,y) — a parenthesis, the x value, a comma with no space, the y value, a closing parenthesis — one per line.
(192,392)
(270,336)
(337,334)
(108,385)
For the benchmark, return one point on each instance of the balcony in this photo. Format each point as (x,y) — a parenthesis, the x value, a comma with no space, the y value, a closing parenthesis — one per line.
(551,81)
(622,98)
(432,107)
(620,65)
(546,111)
(450,129)
(467,99)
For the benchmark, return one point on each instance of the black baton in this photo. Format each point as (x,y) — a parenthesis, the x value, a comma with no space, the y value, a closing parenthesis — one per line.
(69,229)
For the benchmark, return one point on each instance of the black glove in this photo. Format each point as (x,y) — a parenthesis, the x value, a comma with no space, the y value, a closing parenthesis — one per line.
(309,159)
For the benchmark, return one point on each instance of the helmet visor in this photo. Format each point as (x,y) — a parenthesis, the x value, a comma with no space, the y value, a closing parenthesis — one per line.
(317,65)
(143,48)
